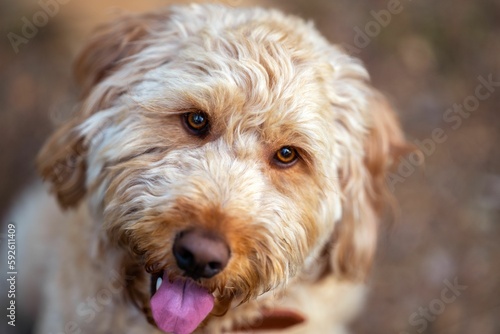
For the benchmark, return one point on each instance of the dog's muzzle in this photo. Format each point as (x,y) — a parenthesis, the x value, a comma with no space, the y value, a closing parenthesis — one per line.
(180,305)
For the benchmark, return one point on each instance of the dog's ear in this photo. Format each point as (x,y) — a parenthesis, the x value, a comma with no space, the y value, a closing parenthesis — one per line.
(365,191)
(62,160)
(110,47)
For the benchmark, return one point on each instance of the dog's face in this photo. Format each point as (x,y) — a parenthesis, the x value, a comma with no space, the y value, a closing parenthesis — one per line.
(234,148)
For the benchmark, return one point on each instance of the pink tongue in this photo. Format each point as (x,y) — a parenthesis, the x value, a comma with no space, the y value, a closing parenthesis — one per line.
(179,307)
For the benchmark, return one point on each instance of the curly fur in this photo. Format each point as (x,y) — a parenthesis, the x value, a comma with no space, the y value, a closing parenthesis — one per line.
(301,237)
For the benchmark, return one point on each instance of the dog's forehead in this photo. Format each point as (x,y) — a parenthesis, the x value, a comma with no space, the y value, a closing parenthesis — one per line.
(259,75)
(272,66)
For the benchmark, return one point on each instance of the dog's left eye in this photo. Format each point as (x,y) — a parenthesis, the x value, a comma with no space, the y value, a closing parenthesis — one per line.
(196,122)
(286,156)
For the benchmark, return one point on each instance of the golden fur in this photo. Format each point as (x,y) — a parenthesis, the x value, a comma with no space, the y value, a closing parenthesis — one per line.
(301,237)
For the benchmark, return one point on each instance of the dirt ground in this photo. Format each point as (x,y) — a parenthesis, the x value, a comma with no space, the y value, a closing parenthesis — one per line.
(429,57)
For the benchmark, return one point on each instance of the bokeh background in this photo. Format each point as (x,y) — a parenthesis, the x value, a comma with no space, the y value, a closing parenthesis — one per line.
(427,58)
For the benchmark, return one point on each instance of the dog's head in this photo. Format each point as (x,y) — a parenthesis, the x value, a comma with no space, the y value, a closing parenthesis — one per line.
(234,148)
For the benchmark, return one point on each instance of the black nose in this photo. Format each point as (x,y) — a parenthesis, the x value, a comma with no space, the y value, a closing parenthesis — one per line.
(200,253)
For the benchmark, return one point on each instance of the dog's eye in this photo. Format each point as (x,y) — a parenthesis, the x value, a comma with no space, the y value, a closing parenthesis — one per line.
(196,122)
(286,156)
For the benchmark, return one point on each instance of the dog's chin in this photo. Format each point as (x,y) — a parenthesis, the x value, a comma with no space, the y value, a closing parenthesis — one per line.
(180,305)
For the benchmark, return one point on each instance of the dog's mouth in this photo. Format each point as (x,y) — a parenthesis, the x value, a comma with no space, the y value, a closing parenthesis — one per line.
(179,305)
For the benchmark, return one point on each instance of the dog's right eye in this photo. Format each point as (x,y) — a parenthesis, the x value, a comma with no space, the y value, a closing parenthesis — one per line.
(196,122)
(286,156)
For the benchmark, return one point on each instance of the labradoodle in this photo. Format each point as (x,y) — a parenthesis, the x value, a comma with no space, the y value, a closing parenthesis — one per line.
(224,172)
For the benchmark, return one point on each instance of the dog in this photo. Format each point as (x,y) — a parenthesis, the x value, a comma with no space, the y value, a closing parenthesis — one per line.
(224,173)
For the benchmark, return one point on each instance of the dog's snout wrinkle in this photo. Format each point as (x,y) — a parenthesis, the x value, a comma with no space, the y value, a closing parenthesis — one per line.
(201,254)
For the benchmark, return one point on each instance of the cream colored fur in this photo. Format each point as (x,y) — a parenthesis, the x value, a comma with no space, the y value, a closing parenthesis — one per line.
(302,236)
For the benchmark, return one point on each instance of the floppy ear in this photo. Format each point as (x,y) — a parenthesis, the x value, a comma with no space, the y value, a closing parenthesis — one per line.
(365,191)
(111,46)
(62,160)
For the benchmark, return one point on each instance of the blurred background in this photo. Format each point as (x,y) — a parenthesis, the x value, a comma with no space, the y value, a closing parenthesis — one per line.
(437,61)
